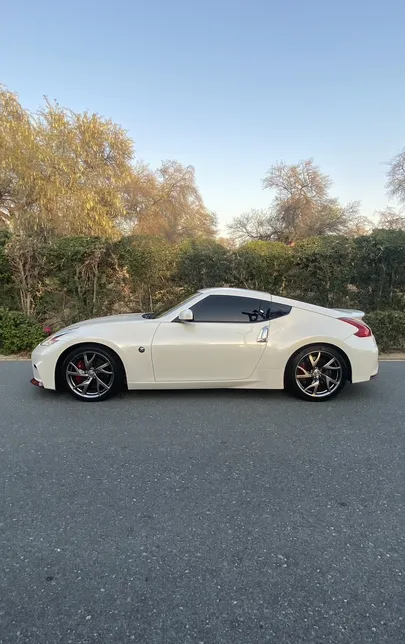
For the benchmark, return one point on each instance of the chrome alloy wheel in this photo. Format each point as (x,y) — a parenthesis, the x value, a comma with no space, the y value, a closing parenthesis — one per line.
(318,374)
(90,374)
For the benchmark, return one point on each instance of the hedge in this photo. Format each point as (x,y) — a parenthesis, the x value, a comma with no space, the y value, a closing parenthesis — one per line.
(388,328)
(71,278)
(18,333)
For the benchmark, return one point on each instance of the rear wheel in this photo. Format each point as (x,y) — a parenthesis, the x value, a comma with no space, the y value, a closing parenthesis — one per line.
(317,373)
(92,373)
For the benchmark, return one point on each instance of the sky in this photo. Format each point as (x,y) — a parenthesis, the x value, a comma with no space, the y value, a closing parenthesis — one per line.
(228,86)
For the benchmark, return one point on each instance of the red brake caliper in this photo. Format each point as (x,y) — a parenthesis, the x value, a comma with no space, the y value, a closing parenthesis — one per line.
(80,365)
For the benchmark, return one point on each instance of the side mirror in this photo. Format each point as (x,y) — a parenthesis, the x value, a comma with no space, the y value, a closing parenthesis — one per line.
(186,316)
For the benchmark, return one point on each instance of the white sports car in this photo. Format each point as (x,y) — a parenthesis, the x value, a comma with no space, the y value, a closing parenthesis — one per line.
(219,337)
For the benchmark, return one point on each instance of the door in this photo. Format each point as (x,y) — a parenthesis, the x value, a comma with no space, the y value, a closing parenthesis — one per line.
(224,342)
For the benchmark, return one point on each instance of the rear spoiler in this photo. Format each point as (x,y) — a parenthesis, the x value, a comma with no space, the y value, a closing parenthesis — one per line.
(351,313)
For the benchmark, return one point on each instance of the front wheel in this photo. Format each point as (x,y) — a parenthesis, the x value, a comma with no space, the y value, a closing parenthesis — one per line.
(316,373)
(92,373)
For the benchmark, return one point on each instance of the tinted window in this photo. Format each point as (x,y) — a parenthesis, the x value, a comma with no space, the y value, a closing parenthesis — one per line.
(227,308)
(273,310)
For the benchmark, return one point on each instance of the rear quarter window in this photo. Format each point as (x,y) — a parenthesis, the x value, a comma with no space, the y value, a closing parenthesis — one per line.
(274,310)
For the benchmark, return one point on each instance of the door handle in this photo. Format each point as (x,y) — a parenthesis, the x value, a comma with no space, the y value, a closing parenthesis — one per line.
(263,335)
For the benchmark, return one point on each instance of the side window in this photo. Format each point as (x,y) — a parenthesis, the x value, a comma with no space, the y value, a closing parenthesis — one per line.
(228,308)
(273,310)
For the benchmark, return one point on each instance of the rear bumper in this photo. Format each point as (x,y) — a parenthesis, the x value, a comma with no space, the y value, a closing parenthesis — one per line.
(36,383)
(363,356)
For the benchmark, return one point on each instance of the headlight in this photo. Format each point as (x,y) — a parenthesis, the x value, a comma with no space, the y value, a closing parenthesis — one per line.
(56,337)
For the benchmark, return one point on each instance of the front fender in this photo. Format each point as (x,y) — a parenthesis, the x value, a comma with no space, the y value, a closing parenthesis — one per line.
(124,341)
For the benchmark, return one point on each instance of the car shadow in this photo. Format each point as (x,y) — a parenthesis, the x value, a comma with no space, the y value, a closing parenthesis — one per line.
(364,392)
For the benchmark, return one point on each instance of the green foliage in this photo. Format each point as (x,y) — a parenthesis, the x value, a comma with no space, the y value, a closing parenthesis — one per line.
(86,277)
(262,266)
(72,278)
(79,267)
(388,328)
(18,333)
(379,269)
(26,259)
(203,264)
(148,259)
(322,271)
(5,271)
(148,263)
(7,288)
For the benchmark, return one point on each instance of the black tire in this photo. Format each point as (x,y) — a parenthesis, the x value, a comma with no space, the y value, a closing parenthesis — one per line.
(327,371)
(92,373)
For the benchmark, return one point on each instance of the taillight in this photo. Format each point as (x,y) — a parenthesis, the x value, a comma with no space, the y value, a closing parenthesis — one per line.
(363,331)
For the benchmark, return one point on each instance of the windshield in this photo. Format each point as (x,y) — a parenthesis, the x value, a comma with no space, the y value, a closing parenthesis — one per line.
(172,308)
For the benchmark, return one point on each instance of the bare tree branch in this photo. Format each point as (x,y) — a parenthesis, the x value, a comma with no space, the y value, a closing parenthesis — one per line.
(396,177)
(391,219)
(301,207)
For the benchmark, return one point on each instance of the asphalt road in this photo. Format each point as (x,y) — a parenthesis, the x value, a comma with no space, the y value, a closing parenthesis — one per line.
(202,517)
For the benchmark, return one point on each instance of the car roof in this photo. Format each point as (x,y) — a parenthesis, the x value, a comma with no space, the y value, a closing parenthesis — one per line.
(241,292)
(262,295)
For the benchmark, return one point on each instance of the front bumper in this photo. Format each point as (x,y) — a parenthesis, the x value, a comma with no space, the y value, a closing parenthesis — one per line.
(36,379)
(43,361)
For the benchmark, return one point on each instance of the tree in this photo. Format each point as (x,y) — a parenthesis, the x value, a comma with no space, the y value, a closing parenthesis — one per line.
(358,226)
(301,207)
(396,177)
(255,225)
(17,156)
(61,172)
(391,219)
(168,203)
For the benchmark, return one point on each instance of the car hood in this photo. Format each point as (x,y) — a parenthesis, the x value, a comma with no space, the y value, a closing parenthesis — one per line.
(109,319)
